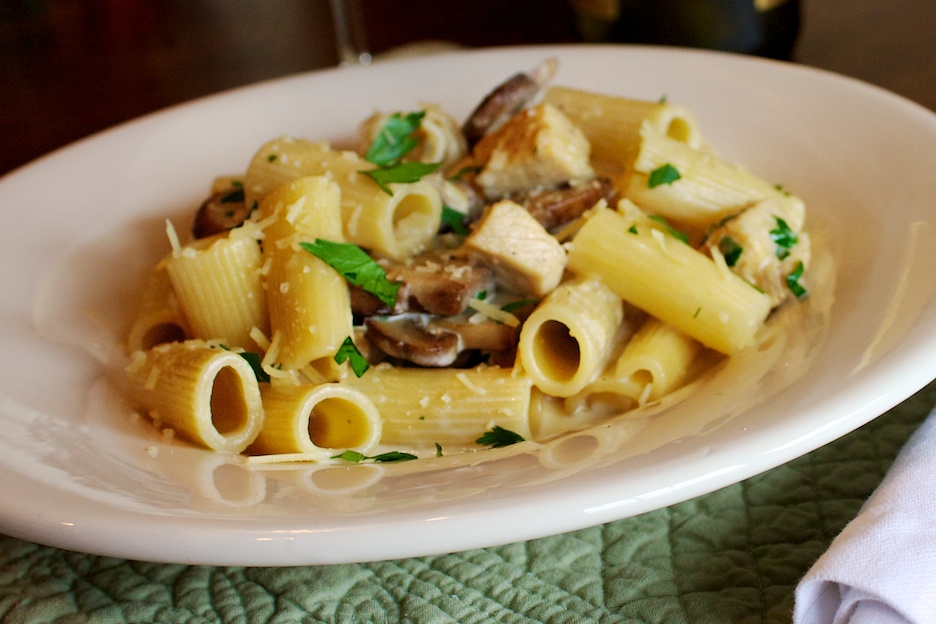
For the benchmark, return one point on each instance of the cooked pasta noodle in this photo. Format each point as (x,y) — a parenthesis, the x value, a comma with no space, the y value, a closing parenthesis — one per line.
(570,258)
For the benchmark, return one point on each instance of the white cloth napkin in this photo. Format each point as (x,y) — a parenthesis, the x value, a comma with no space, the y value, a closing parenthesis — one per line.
(881,569)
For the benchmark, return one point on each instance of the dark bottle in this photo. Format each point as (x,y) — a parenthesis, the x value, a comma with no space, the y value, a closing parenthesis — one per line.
(762,27)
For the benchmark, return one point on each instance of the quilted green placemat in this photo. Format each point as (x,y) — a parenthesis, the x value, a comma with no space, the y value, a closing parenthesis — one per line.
(734,555)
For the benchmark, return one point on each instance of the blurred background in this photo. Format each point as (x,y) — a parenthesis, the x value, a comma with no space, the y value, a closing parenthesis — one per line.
(69,68)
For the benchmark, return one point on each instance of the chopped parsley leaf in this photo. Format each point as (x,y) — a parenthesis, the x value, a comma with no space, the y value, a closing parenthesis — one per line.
(356,457)
(458,175)
(395,139)
(793,282)
(438,448)
(356,266)
(348,351)
(730,250)
(350,456)
(254,360)
(513,306)
(235,196)
(670,229)
(400,173)
(633,228)
(393,456)
(664,174)
(784,238)
(498,437)
(454,219)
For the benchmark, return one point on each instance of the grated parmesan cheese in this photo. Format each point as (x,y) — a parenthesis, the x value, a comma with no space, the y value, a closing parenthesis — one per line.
(494,313)
(475,388)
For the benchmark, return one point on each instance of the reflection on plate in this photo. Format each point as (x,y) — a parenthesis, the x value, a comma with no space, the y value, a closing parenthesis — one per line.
(83,226)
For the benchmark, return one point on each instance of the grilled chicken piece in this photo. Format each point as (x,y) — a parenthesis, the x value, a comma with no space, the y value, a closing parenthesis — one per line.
(526,259)
(538,148)
(765,243)
(436,282)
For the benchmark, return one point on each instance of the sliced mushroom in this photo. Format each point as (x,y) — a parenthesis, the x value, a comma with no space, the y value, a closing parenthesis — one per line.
(411,339)
(506,99)
(436,342)
(437,282)
(222,211)
(557,207)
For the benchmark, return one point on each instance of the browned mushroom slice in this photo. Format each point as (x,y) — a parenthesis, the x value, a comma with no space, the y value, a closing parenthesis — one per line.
(506,99)
(436,341)
(222,211)
(486,335)
(557,207)
(435,282)
(411,339)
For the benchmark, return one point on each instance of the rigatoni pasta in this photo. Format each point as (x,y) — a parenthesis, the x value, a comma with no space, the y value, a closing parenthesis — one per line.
(309,304)
(553,261)
(204,392)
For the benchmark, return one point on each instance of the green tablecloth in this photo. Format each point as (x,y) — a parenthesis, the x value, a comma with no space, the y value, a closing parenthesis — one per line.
(734,555)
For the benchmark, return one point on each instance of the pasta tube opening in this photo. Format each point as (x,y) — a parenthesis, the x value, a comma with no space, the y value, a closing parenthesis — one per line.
(415,219)
(339,423)
(208,395)
(568,338)
(229,409)
(557,350)
(158,334)
(315,420)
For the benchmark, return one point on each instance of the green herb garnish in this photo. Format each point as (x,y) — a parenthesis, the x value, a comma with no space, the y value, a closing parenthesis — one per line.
(784,238)
(393,456)
(670,229)
(513,306)
(234,196)
(458,175)
(793,282)
(348,351)
(355,457)
(498,437)
(400,173)
(356,266)
(395,139)
(730,250)
(254,360)
(665,174)
(454,220)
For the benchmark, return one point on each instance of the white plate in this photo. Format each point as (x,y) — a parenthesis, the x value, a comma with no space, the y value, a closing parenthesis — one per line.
(83,225)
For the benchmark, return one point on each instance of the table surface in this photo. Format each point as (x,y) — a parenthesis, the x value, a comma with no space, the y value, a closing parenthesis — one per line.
(70,68)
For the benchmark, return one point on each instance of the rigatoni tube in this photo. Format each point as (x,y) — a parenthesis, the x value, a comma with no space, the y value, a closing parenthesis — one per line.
(612,123)
(446,406)
(309,303)
(670,280)
(317,420)
(206,394)
(568,337)
(217,282)
(397,225)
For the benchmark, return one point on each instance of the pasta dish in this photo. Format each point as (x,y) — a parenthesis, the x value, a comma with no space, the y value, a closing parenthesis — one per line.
(559,257)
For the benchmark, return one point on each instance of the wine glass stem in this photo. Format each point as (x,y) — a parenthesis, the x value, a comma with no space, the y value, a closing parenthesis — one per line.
(349,32)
